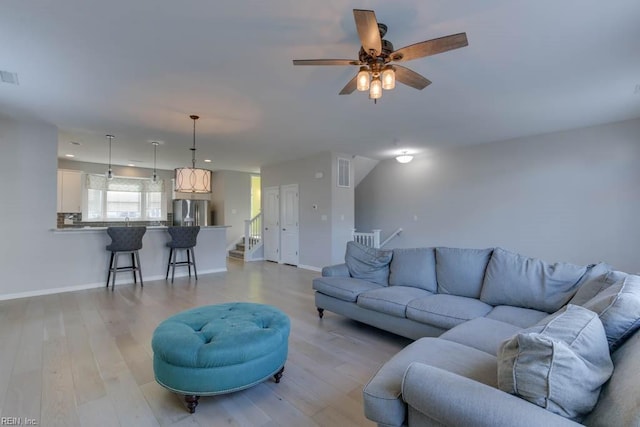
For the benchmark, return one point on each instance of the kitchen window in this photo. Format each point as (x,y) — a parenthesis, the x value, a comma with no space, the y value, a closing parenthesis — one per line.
(120,198)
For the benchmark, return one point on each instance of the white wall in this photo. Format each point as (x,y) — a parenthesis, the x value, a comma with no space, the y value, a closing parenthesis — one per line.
(231,200)
(569,196)
(316,225)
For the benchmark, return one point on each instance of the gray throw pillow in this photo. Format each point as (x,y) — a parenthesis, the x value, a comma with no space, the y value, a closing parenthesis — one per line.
(560,365)
(517,280)
(368,263)
(619,308)
(414,267)
(460,271)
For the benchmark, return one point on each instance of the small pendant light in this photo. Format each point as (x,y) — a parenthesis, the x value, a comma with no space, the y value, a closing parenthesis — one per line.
(109,173)
(154,177)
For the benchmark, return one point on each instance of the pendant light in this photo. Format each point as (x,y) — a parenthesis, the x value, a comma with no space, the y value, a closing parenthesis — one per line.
(109,173)
(154,177)
(192,179)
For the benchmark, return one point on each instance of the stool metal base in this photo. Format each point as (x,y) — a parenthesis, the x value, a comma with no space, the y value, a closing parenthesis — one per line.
(113,267)
(191,260)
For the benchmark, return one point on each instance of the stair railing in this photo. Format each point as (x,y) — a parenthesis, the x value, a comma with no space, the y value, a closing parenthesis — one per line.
(391,236)
(373,239)
(367,239)
(252,233)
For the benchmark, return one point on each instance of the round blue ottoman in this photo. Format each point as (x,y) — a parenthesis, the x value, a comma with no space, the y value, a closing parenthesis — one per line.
(219,349)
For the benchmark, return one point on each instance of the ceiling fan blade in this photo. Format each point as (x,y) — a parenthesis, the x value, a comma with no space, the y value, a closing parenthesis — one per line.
(367,27)
(430,47)
(350,87)
(326,62)
(410,78)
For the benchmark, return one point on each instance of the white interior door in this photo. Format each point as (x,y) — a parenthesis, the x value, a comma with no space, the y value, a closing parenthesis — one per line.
(271,223)
(289,228)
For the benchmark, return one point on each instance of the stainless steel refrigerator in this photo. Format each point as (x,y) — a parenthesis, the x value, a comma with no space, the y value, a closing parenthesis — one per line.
(188,212)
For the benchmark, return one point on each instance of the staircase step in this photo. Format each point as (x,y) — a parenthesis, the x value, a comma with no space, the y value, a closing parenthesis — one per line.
(236,254)
(240,247)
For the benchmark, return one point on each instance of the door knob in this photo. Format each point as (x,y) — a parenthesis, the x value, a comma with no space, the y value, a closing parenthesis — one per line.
(284,229)
(266,228)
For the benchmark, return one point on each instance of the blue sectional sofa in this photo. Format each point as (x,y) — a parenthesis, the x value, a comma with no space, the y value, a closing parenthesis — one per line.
(501,339)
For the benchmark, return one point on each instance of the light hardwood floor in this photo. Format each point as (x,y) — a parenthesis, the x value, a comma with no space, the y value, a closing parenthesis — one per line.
(84,358)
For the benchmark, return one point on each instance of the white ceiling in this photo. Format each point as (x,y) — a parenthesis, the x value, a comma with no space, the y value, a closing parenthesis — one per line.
(138,69)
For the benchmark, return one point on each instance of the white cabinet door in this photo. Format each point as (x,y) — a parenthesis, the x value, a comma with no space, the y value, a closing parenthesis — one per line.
(69,191)
(59,198)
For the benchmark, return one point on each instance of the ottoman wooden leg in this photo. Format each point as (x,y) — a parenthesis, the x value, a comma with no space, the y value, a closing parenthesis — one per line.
(278,375)
(192,402)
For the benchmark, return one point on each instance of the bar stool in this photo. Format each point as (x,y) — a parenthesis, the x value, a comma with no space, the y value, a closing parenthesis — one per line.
(125,240)
(182,238)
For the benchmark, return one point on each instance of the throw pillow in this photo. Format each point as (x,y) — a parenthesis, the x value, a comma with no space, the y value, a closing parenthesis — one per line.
(461,271)
(594,281)
(368,263)
(517,280)
(560,365)
(619,308)
(414,267)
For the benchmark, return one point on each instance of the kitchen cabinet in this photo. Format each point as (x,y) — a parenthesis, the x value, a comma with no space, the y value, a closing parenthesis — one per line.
(69,191)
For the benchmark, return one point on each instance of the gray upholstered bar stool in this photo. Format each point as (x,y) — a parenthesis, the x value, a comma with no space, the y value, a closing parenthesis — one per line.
(182,238)
(125,240)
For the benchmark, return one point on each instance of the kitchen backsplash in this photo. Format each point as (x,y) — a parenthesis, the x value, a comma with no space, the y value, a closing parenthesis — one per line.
(74,220)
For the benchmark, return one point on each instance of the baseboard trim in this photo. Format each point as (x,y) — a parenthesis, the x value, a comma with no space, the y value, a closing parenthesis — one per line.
(42,292)
(309,267)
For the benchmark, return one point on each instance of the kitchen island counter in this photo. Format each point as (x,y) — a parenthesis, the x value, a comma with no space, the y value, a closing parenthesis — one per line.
(79,259)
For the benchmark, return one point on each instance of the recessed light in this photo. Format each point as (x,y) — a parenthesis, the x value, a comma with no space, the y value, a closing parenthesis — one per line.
(69,155)
(207,160)
(132,165)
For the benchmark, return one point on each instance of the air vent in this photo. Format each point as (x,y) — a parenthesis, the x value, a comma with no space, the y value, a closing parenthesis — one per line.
(344,172)
(9,77)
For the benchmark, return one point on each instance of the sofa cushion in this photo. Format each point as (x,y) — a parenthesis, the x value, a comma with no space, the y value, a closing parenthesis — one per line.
(619,402)
(517,280)
(344,288)
(368,263)
(461,271)
(482,334)
(619,309)
(446,311)
(382,394)
(518,316)
(391,300)
(559,364)
(414,267)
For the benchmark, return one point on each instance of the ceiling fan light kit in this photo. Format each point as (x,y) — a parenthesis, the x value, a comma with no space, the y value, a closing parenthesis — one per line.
(376,73)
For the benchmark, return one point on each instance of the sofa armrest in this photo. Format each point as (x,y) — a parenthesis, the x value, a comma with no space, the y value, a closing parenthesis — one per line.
(338,270)
(454,400)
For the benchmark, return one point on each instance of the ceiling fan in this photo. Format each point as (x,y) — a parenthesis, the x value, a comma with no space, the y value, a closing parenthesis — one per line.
(376,55)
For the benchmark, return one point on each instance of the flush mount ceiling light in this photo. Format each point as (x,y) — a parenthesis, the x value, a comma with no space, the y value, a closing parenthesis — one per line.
(193,180)
(404,157)
(154,177)
(109,173)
